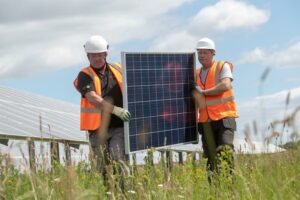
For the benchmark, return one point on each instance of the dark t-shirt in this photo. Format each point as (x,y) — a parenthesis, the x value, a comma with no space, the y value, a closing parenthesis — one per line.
(109,90)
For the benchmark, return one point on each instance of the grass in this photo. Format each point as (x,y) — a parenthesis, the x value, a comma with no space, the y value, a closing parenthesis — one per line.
(264,176)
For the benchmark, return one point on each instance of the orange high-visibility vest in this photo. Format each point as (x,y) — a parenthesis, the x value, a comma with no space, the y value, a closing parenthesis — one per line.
(90,116)
(219,106)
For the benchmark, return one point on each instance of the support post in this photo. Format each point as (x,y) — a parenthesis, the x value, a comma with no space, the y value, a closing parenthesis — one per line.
(134,165)
(54,148)
(169,158)
(68,154)
(180,157)
(31,153)
(162,158)
(149,160)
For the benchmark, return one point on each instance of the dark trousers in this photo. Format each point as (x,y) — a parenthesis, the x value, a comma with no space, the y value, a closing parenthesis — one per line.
(217,136)
(109,149)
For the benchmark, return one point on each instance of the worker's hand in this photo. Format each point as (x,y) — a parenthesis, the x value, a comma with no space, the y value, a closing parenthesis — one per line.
(122,113)
(199,98)
(198,89)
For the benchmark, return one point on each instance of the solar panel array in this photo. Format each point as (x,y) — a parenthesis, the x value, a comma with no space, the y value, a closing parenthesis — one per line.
(28,115)
(157,92)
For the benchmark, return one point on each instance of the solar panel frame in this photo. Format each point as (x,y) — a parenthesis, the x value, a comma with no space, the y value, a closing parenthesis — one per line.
(126,102)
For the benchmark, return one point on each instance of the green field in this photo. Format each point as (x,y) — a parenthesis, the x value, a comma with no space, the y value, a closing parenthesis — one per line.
(264,176)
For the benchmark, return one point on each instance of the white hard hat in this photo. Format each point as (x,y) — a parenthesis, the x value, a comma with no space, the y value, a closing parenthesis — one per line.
(96,44)
(205,43)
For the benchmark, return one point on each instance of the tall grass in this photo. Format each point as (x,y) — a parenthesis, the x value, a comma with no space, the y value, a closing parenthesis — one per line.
(264,176)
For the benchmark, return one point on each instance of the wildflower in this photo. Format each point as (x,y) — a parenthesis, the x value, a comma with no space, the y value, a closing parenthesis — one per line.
(56,180)
(160,185)
(131,191)
(108,193)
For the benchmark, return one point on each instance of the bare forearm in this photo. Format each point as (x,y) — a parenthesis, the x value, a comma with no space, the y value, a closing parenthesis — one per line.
(107,106)
(99,102)
(218,89)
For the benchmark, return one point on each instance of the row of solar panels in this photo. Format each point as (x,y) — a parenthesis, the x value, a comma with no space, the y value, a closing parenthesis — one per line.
(24,115)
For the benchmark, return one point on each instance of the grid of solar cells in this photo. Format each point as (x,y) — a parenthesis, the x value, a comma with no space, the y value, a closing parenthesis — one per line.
(30,115)
(158,96)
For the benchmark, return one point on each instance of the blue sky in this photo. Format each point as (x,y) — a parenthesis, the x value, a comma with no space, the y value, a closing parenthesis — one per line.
(41,47)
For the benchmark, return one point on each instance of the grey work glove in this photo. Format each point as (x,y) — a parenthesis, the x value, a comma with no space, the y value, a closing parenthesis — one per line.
(122,113)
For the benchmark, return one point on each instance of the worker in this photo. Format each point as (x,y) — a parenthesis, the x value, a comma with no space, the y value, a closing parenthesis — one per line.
(217,109)
(100,86)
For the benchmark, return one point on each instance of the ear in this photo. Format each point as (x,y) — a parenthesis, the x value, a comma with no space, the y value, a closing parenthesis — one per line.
(213,52)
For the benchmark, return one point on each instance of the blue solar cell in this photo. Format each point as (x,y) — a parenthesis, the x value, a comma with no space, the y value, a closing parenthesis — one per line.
(131,95)
(159,92)
(152,93)
(175,135)
(161,138)
(153,110)
(152,77)
(137,80)
(160,106)
(133,143)
(168,137)
(155,139)
(145,77)
(146,93)
(158,96)
(132,127)
(138,95)
(146,109)
(154,124)
(138,109)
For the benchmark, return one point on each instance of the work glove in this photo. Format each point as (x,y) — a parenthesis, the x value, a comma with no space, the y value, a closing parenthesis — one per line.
(122,113)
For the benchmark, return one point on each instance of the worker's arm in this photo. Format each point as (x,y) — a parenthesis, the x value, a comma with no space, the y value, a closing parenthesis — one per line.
(99,102)
(105,106)
(220,88)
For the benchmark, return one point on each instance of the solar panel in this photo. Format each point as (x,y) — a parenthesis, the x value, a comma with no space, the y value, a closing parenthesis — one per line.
(157,92)
(23,114)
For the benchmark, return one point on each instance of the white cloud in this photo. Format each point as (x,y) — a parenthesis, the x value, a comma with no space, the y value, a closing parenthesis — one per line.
(253,56)
(293,79)
(179,41)
(228,15)
(285,57)
(42,36)
(266,109)
(225,15)
(28,10)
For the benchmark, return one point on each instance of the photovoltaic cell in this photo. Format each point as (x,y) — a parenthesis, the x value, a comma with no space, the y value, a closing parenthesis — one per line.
(157,92)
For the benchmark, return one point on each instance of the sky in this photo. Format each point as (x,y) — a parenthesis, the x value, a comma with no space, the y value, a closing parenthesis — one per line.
(42,51)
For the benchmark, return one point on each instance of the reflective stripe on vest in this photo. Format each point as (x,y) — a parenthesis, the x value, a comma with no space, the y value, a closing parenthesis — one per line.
(117,67)
(215,107)
(90,116)
(117,72)
(90,110)
(216,101)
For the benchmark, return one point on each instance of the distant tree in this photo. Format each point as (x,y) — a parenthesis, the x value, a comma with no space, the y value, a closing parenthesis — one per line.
(291,145)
